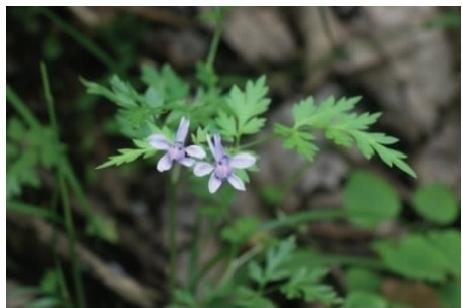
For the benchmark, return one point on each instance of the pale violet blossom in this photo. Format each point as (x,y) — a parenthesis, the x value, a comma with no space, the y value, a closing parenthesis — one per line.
(176,151)
(224,166)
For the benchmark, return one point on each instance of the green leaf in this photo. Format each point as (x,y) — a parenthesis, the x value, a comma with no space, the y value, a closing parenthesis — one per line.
(342,126)
(363,299)
(28,150)
(129,155)
(240,231)
(436,203)
(103,227)
(246,107)
(362,279)
(274,269)
(31,210)
(166,82)
(369,200)
(245,297)
(449,294)
(300,141)
(429,257)
(306,284)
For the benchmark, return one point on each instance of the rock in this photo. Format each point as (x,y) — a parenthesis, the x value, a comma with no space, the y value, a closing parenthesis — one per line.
(439,159)
(405,66)
(259,34)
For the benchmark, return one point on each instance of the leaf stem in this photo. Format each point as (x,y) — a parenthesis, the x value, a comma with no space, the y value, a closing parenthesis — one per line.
(303,217)
(21,108)
(68,217)
(172,226)
(215,40)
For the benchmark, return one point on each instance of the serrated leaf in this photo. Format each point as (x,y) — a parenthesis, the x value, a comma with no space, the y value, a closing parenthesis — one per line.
(344,127)
(436,203)
(369,200)
(246,106)
(248,298)
(129,155)
(306,284)
(240,231)
(300,141)
(166,82)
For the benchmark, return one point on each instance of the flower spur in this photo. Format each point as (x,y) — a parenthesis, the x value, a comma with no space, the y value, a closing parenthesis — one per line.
(176,151)
(224,166)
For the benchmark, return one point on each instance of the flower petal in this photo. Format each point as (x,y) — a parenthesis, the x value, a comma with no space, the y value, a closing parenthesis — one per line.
(243,161)
(187,162)
(236,182)
(159,142)
(201,169)
(182,131)
(219,151)
(165,163)
(214,183)
(195,151)
(212,149)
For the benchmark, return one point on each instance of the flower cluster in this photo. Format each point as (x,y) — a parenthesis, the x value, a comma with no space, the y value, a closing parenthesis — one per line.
(222,168)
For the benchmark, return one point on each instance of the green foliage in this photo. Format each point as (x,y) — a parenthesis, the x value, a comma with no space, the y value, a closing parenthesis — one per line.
(363,299)
(273,269)
(240,231)
(129,155)
(248,298)
(246,108)
(362,279)
(28,149)
(305,284)
(341,125)
(369,200)
(165,84)
(436,203)
(431,257)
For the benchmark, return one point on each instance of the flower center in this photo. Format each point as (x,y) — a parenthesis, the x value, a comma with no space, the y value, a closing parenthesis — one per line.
(222,168)
(177,152)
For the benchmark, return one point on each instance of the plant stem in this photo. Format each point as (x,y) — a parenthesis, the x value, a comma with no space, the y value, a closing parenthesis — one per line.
(89,45)
(21,108)
(172,226)
(214,45)
(68,218)
(194,255)
(68,221)
(237,263)
(303,217)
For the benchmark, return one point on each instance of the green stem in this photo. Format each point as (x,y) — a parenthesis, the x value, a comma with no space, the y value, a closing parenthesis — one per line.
(194,255)
(237,263)
(172,226)
(303,217)
(70,230)
(48,97)
(214,45)
(21,108)
(68,217)
(90,46)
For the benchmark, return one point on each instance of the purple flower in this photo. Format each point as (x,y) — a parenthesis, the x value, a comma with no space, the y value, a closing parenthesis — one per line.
(176,151)
(224,166)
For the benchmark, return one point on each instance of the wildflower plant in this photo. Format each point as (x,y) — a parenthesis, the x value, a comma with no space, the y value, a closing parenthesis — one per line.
(167,111)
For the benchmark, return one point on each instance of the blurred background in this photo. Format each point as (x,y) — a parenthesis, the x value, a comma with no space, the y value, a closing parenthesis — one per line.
(405,62)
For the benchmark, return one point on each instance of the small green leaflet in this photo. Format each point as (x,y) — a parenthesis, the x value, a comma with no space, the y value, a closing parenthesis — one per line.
(341,125)
(306,284)
(275,258)
(245,108)
(129,155)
